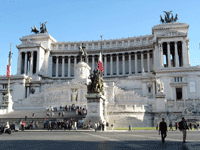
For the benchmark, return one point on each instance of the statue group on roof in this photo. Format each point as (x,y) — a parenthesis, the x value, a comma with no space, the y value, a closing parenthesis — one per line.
(43,28)
(168,17)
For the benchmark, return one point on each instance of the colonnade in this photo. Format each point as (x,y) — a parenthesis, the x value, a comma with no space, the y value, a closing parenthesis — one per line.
(108,63)
(174,54)
(27,62)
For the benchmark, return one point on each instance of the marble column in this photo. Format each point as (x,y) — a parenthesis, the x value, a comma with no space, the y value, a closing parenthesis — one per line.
(28,91)
(136,63)
(63,66)
(123,63)
(129,56)
(148,61)
(142,62)
(57,63)
(93,63)
(38,62)
(161,54)
(19,64)
(174,93)
(111,64)
(105,63)
(69,66)
(87,60)
(75,62)
(168,54)
(25,66)
(154,90)
(117,64)
(176,55)
(31,64)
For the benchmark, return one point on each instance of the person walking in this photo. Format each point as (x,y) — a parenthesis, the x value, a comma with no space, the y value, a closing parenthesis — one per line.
(163,130)
(170,125)
(157,127)
(183,128)
(95,126)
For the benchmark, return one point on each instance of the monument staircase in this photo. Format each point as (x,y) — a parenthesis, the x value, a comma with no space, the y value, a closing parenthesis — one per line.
(40,116)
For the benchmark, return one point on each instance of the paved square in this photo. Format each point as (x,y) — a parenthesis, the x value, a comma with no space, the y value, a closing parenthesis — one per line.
(98,140)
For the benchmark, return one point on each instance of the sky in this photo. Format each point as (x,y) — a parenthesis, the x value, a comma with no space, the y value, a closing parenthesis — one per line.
(86,20)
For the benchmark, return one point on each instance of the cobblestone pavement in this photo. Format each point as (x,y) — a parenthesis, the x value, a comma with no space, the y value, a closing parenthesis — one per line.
(145,140)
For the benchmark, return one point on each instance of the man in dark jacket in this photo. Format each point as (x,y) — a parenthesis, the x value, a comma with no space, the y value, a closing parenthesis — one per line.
(183,128)
(163,130)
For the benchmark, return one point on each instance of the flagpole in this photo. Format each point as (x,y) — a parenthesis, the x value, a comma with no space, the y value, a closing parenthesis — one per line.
(9,63)
(101,53)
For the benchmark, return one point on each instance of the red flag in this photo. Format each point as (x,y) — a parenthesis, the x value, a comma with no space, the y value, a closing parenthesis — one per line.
(100,66)
(8,71)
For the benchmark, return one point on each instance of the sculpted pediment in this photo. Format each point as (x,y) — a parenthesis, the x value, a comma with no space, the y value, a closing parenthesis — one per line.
(172,33)
(29,44)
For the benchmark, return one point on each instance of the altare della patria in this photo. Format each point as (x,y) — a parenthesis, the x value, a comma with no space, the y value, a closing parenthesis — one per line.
(143,78)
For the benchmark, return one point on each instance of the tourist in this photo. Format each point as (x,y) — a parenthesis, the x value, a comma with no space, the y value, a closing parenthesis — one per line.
(197,126)
(25,118)
(170,125)
(49,126)
(63,114)
(7,126)
(157,127)
(36,124)
(163,130)
(60,108)
(59,114)
(190,125)
(183,128)
(75,125)
(95,126)
(33,115)
(176,125)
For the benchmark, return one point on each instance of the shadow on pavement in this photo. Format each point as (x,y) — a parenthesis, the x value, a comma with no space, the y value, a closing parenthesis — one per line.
(85,145)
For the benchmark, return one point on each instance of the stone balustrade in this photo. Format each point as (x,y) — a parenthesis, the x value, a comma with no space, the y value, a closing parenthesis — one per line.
(106,44)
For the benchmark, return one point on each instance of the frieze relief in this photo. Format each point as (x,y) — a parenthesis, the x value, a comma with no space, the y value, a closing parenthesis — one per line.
(172,33)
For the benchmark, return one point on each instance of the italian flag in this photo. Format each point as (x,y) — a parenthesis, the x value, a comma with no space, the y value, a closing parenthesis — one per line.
(8,65)
(100,63)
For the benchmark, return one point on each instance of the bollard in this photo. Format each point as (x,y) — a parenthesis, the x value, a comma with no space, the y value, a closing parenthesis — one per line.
(130,127)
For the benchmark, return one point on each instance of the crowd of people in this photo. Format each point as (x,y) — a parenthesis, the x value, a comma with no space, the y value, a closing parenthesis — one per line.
(63,109)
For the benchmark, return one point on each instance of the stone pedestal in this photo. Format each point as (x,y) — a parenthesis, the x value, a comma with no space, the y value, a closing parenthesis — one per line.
(82,72)
(9,103)
(96,104)
(160,103)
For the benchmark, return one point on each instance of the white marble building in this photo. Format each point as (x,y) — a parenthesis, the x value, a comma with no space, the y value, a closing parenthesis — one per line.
(133,66)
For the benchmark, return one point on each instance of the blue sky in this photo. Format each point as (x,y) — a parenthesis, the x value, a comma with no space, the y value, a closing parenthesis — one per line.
(82,20)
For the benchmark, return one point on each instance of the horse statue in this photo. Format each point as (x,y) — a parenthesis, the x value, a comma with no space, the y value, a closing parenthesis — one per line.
(43,28)
(35,30)
(161,19)
(82,53)
(176,18)
(167,13)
